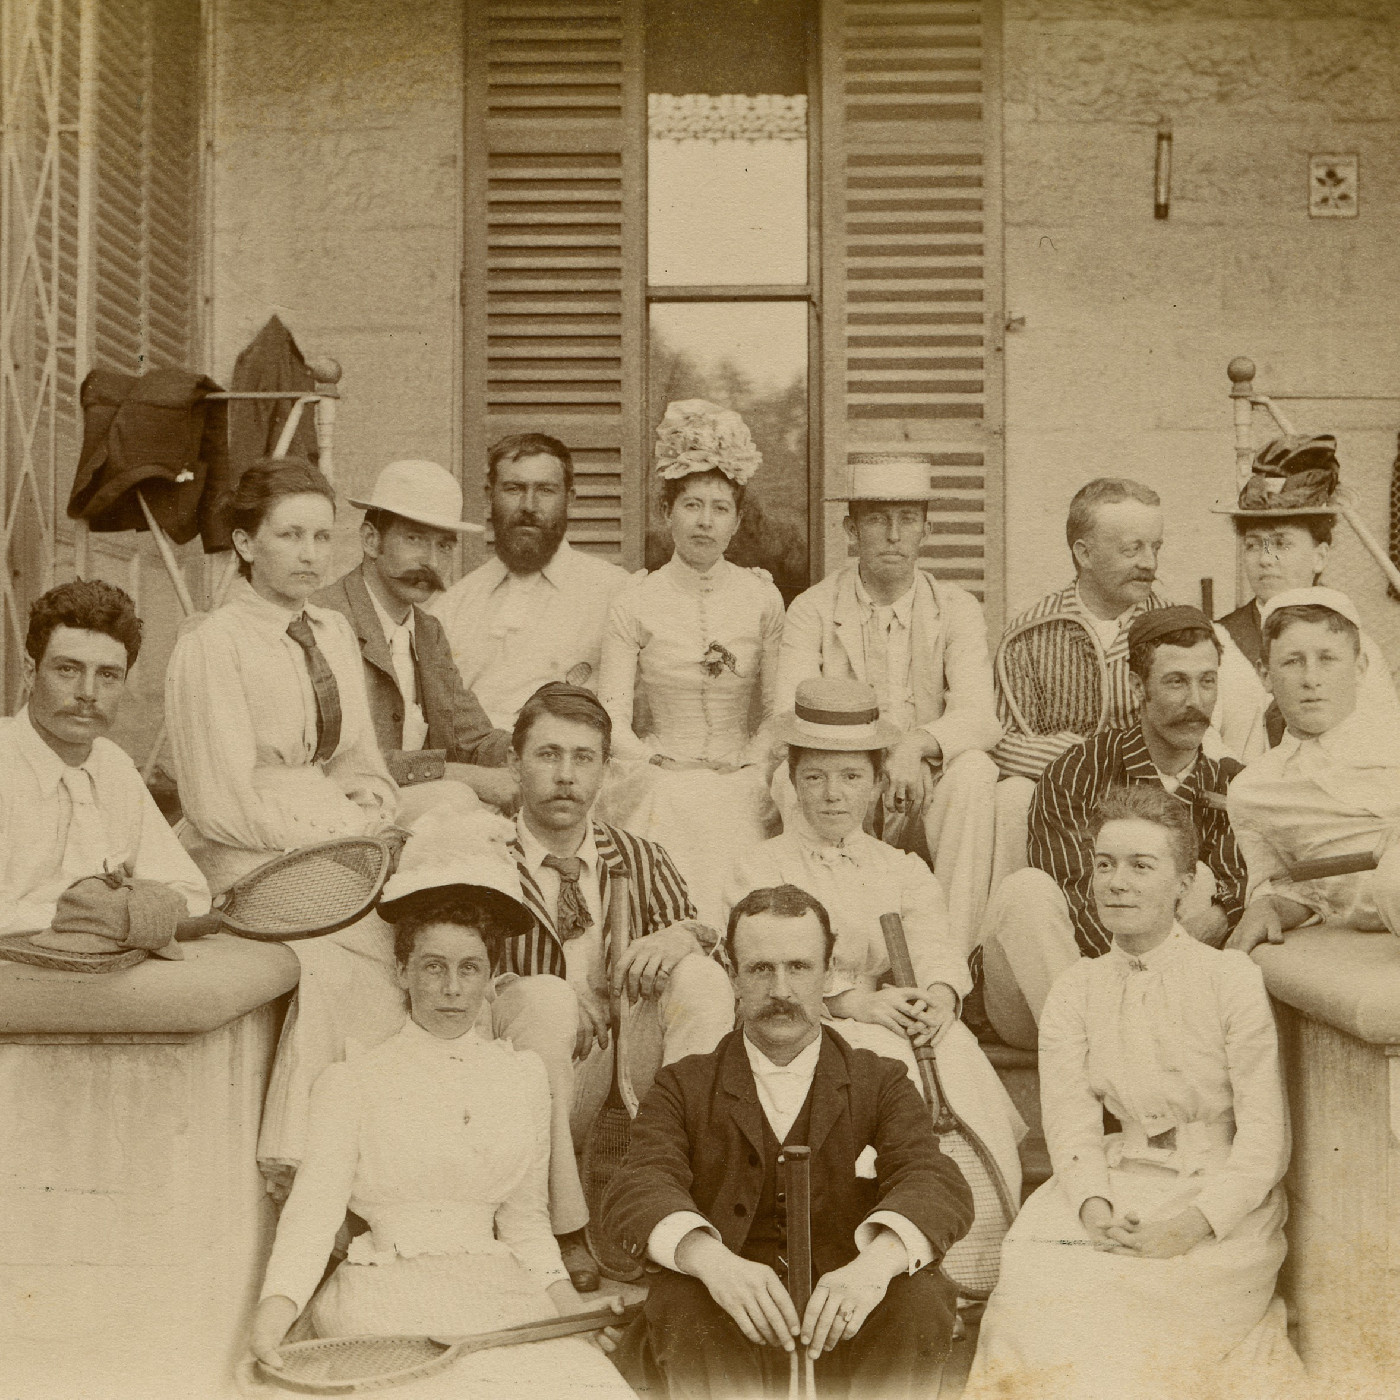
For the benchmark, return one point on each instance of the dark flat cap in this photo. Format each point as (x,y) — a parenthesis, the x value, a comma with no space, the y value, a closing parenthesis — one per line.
(1159,622)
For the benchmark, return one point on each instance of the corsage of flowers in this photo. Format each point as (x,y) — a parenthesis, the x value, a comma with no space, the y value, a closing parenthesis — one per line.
(717,656)
(699,436)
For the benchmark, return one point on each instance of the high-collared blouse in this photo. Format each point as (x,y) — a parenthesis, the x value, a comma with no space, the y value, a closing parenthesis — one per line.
(857,879)
(242,718)
(701,648)
(1179,1044)
(441,1145)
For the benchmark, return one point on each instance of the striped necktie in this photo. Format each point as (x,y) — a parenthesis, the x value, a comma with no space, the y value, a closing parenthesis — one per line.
(323,683)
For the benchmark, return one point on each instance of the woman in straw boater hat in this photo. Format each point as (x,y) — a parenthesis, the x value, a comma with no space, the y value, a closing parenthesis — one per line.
(836,745)
(695,645)
(439,1139)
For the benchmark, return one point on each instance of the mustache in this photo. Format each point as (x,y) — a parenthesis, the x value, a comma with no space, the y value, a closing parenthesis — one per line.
(425,575)
(783,1008)
(1193,716)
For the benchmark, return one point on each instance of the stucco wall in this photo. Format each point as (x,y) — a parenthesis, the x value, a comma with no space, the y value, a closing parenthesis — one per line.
(1129,321)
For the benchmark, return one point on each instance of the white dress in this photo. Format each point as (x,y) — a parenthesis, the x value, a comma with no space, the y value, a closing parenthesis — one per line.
(697,653)
(857,880)
(1180,1045)
(443,1147)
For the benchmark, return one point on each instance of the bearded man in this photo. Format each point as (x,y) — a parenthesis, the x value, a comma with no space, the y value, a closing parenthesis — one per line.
(535,613)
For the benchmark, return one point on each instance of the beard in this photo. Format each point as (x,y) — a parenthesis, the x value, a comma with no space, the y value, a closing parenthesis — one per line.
(526,554)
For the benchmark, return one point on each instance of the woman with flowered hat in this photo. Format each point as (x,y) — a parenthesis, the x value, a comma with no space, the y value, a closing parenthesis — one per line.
(693,646)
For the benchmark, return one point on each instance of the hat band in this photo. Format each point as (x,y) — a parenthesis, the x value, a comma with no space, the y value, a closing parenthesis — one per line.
(848,719)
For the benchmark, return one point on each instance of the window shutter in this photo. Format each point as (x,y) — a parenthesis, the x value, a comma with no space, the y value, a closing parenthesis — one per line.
(553,275)
(911,257)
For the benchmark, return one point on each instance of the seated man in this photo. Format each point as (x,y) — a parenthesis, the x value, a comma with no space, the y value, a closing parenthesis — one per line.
(922,644)
(700,1194)
(1331,786)
(71,802)
(429,725)
(1043,918)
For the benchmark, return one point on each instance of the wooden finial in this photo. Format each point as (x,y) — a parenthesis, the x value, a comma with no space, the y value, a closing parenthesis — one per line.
(326,373)
(1241,372)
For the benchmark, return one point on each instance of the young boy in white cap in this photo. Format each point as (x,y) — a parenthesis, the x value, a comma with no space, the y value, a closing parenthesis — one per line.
(429,725)
(837,742)
(1330,787)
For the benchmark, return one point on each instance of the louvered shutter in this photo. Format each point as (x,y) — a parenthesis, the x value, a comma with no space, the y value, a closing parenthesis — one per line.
(553,275)
(911,237)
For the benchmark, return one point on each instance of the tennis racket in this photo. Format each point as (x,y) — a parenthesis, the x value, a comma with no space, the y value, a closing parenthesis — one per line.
(348,1365)
(607,1140)
(795,1163)
(303,893)
(1325,866)
(973,1264)
(1054,676)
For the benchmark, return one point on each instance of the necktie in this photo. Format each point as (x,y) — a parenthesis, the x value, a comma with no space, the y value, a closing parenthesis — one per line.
(85,848)
(323,683)
(571,916)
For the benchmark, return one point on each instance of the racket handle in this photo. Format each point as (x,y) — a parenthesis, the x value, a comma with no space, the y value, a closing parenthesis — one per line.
(1324,866)
(201,926)
(545,1330)
(902,969)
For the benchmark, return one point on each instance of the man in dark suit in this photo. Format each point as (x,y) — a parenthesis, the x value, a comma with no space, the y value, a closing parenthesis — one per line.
(429,724)
(699,1192)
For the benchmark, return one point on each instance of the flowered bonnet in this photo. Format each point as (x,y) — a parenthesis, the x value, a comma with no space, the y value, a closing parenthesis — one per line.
(699,436)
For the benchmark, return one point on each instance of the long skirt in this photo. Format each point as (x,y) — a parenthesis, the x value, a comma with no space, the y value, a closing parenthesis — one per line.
(1070,1322)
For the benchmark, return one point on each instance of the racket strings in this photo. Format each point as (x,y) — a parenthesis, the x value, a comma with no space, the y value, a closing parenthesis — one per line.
(607,1148)
(356,1358)
(1058,648)
(321,888)
(974,1262)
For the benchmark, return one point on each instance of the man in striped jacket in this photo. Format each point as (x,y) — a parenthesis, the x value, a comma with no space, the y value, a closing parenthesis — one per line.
(555,992)
(1043,918)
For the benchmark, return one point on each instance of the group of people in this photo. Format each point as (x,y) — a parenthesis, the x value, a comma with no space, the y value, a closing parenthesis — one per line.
(658,817)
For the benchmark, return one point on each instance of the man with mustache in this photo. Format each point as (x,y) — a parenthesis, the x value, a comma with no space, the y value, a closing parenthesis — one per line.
(428,723)
(535,613)
(1043,918)
(701,1193)
(71,802)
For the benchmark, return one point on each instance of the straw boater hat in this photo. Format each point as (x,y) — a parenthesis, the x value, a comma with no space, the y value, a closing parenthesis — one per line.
(1291,475)
(1330,598)
(450,849)
(887,476)
(699,436)
(420,491)
(835,714)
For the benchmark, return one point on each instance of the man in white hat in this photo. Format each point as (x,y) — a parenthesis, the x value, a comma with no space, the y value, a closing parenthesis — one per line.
(535,612)
(922,644)
(1330,787)
(428,723)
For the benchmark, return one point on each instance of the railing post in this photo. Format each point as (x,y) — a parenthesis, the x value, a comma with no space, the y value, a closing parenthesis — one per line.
(1241,372)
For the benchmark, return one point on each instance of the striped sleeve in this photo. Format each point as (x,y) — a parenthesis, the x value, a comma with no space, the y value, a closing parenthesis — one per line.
(664,897)
(1221,852)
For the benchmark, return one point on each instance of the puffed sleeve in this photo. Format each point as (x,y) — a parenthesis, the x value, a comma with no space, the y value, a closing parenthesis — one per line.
(760,744)
(316,1207)
(623,640)
(1072,1113)
(924,910)
(1259,1155)
(522,1219)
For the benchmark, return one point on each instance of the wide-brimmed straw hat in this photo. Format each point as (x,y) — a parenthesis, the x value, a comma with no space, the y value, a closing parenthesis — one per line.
(887,476)
(451,849)
(1291,475)
(420,491)
(835,714)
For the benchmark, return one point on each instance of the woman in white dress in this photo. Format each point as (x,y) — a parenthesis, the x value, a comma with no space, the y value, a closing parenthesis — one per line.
(835,740)
(272,739)
(1145,1266)
(696,643)
(440,1141)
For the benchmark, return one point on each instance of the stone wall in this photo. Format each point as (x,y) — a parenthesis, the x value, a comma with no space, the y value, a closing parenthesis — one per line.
(1130,321)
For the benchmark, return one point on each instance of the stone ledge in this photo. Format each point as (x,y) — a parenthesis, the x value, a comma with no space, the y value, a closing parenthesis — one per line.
(221,979)
(1345,978)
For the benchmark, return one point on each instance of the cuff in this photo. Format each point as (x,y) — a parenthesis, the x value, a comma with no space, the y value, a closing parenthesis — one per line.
(1295,894)
(670,1230)
(916,1243)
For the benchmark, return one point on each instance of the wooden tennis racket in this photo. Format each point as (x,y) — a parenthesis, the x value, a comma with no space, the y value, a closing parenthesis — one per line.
(973,1264)
(795,1164)
(1325,866)
(606,1144)
(1057,666)
(348,1365)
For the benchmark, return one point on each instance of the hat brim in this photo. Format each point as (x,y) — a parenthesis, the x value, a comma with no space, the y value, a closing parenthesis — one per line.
(1273,514)
(459,527)
(836,738)
(516,917)
(21,948)
(886,498)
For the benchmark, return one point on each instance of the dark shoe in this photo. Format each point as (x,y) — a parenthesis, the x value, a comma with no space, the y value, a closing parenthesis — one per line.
(582,1266)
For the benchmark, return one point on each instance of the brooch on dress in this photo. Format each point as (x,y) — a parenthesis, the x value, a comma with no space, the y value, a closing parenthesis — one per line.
(717,656)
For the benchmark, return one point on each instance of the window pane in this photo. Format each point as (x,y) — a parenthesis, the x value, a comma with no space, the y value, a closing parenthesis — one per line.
(751,357)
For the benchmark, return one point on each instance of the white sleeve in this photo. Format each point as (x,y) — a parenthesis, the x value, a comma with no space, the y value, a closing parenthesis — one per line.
(932,949)
(522,1219)
(916,1243)
(761,741)
(617,676)
(160,856)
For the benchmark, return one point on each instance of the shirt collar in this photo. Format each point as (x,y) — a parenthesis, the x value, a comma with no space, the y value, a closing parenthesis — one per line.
(802,1066)
(386,623)
(1352,736)
(427,1041)
(811,841)
(690,580)
(555,572)
(1156,958)
(1124,619)
(903,606)
(47,765)
(535,853)
(268,616)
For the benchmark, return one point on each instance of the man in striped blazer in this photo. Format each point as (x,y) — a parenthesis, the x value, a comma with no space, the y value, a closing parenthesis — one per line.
(555,992)
(1043,918)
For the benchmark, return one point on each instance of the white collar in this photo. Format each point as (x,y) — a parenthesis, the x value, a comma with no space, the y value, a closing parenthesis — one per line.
(270,616)
(419,1039)
(386,623)
(1154,958)
(801,829)
(535,852)
(554,571)
(803,1065)
(903,606)
(47,765)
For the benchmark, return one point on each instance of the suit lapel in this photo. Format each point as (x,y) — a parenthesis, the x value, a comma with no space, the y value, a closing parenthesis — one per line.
(531,892)
(846,622)
(373,646)
(736,1081)
(830,1092)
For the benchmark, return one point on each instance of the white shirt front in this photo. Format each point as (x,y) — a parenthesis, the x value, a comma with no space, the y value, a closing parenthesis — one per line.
(890,624)
(782,1090)
(402,638)
(583,956)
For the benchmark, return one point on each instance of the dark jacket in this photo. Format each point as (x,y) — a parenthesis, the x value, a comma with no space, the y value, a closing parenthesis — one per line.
(1247,634)
(697,1144)
(456,722)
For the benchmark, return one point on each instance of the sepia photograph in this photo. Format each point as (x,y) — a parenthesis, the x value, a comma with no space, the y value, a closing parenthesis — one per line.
(700,699)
